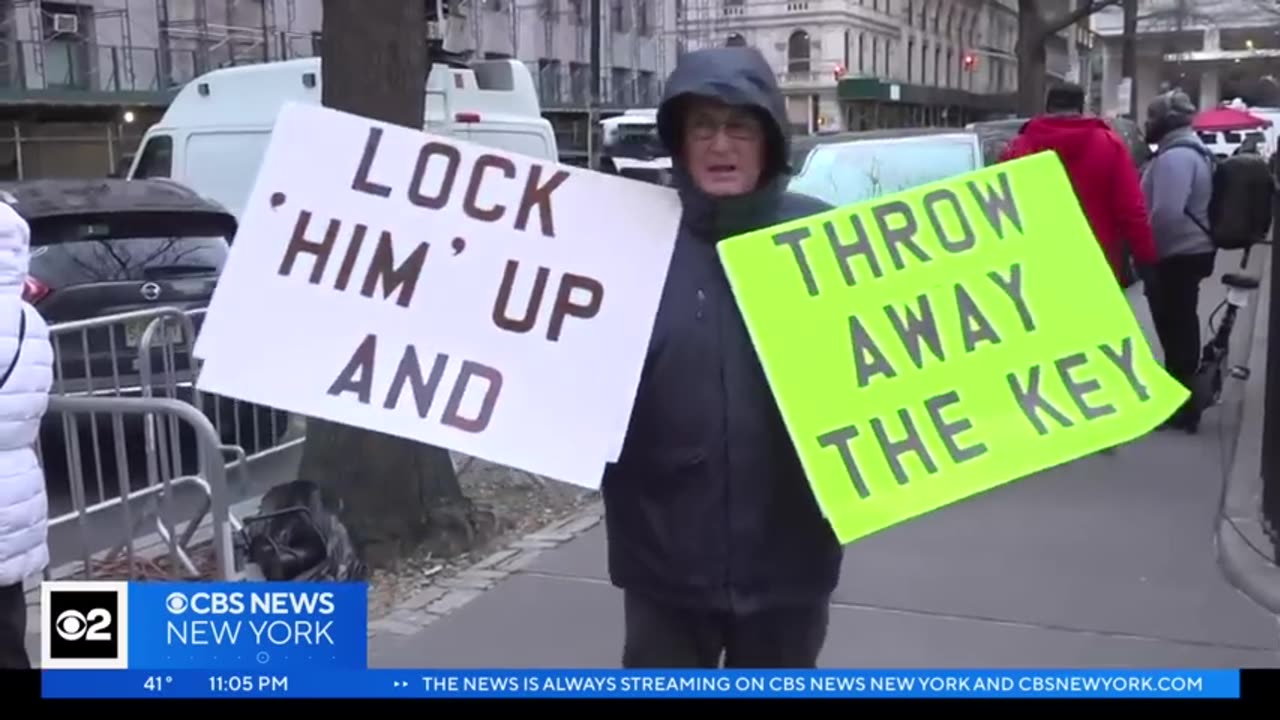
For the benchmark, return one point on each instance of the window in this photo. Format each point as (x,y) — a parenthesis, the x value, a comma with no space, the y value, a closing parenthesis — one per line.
(846,173)
(798,52)
(618,15)
(549,82)
(156,159)
(222,165)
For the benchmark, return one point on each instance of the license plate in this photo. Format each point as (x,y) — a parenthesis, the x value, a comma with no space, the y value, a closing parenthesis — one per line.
(1237,297)
(166,334)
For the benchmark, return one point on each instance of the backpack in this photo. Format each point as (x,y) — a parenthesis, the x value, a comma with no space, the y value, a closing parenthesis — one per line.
(1240,203)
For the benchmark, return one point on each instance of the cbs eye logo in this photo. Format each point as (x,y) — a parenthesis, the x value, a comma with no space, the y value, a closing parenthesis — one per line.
(83,624)
(74,625)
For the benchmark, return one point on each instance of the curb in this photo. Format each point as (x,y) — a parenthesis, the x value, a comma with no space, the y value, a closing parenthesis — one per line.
(444,596)
(1239,533)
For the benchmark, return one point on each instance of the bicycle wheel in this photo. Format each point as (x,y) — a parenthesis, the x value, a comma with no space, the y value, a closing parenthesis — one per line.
(1206,386)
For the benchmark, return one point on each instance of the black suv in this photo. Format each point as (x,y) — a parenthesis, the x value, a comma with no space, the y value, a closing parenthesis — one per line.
(102,247)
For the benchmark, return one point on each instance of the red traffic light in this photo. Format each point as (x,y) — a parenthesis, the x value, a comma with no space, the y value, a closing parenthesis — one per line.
(838,71)
(970,61)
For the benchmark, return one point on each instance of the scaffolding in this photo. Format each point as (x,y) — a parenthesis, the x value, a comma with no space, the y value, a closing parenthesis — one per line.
(197,36)
(38,34)
(553,38)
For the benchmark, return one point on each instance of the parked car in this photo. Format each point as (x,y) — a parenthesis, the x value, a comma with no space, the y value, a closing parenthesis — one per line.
(850,167)
(101,247)
(996,134)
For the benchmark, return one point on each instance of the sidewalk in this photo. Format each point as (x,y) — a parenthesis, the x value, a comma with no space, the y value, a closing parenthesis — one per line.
(1109,561)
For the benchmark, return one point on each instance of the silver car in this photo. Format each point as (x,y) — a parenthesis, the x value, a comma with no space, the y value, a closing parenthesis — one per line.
(847,168)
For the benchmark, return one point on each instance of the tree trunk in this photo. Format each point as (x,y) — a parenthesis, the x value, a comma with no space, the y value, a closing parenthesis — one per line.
(1129,56)
(1032,58)
(396,494)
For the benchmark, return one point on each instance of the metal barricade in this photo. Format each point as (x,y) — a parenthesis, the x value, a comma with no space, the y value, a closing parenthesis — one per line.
(210,479)
(147,356)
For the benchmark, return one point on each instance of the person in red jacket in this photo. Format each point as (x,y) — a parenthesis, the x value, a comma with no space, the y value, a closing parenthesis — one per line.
(1102,173)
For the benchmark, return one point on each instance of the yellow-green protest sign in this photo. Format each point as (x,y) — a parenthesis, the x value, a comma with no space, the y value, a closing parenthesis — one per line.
(927,346)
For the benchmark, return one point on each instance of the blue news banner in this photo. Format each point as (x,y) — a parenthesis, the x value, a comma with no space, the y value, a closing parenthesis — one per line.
(309,640)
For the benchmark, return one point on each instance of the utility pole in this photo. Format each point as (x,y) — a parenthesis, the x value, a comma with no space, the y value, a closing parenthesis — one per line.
(1271,392)
(593,100)
(1129,55)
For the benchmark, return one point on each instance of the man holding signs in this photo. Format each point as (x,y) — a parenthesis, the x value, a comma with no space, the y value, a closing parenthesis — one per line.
(936,343)
(714,534)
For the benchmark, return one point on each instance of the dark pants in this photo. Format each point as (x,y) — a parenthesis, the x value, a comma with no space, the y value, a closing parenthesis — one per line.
(1174,298)
(664,637)
(13,628)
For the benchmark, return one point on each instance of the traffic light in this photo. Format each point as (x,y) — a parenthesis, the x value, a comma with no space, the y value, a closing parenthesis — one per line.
(969,61)
(839,71)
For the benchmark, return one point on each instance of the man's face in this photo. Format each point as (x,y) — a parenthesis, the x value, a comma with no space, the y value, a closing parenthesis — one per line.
(723,148)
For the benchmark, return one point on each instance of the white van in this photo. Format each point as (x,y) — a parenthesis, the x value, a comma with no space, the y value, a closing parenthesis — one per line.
(215,133)
(631,147)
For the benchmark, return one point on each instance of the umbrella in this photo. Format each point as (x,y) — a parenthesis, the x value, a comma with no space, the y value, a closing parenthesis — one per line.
(1225,119)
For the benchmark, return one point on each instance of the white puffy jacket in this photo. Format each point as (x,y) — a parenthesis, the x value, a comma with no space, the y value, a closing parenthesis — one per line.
(24,397)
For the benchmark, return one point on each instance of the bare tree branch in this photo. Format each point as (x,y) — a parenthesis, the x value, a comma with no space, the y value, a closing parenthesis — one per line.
(1083,9)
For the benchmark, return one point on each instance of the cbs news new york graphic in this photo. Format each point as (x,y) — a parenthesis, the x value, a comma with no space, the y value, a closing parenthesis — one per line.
(309,640)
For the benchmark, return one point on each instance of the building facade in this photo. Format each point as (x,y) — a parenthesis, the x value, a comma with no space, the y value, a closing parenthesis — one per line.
(1215,50)
(80,81)
(856,64)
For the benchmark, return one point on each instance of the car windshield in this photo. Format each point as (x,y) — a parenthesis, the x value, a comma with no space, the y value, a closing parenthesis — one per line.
(852,172)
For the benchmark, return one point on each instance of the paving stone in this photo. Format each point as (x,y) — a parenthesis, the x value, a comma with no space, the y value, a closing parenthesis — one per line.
(579,525)
(532,544)
(483,574)
(423,598)
(551,536)
(453,600)
(395,627)
(464,582)
(417,619)
(496,558)
(522,561)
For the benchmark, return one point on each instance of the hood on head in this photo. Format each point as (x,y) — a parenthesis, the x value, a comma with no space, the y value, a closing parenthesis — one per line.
(15,249)
(1071,135)
(738,76)
(1167,112)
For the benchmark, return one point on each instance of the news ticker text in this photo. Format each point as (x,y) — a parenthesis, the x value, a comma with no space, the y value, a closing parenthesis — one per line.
(493,684)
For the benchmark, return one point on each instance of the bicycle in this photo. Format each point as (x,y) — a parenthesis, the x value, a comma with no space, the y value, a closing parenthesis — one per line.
(1206,385)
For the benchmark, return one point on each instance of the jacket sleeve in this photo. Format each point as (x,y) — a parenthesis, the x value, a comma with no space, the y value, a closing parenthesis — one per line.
(1016,148)
(1130,208)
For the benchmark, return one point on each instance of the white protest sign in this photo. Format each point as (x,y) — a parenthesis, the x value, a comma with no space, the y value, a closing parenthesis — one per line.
(443,291)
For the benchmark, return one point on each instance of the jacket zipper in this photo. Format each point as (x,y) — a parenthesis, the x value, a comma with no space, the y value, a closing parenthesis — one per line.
(726,459)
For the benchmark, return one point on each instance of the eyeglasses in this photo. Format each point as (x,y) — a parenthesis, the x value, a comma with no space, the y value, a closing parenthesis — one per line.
(739,126)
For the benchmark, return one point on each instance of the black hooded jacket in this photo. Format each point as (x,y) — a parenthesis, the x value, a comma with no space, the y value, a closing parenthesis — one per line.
(707,506)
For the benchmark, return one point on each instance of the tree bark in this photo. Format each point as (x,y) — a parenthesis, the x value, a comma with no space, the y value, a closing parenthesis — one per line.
(396,494)
(1034,31)
(1129,55)
(1032,58)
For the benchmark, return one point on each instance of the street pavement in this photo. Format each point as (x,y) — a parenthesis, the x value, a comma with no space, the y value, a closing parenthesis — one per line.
(1108,561)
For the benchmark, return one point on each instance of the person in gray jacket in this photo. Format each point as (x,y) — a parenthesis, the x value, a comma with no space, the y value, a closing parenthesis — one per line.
(1177,184)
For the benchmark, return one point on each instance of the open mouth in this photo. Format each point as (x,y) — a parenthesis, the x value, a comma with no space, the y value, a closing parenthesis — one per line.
(723,169)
